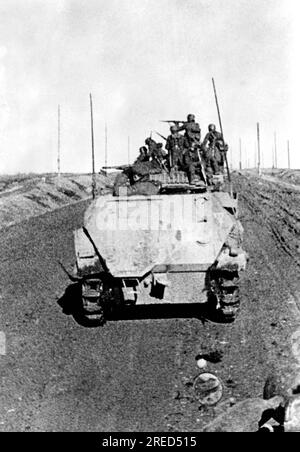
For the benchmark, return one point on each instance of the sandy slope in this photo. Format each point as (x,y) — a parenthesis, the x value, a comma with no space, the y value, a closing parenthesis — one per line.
(24,196)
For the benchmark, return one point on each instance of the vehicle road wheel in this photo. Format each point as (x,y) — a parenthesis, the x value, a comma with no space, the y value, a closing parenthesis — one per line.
(95,319)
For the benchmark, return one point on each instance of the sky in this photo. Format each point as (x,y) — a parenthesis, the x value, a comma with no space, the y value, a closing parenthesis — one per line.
(145,61)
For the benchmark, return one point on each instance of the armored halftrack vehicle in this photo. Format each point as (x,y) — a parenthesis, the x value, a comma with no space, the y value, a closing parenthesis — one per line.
(173,243)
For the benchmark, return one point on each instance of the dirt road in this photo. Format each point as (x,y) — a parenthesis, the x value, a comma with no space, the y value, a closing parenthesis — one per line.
(137,374)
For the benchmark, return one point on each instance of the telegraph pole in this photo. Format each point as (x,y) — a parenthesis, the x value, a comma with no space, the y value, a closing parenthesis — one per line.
(288,152)
(221,129)
(93,150)
(240,164)
(105,145)
(275,150)
(258,150)
(128,150)
(246,159)
(58,141)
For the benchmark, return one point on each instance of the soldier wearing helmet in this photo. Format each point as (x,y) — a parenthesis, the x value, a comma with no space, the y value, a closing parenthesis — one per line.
(155,152)
(192,130)
(158,154)
(212,137)
(175,145)
(151,144)
(143,155)
(214,153)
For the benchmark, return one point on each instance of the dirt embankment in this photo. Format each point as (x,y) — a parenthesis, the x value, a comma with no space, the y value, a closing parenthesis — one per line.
(276,206)
(25,196)
(270,214)
(285,175)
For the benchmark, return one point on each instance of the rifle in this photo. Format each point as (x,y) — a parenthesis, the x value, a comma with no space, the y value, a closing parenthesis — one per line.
(201,166)
(117,167)
(160,163)
(170,160)
(174,121)
(161,136)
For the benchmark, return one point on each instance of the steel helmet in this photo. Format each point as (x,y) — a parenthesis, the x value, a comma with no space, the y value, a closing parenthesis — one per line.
(212,128)
(191,117)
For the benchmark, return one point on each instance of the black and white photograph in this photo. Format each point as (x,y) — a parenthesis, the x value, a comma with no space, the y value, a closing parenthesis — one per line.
(149,219)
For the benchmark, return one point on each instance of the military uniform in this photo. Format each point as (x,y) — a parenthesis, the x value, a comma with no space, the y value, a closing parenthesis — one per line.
(151,145)
(213,155)
(143,156)
(192,132)
(155,151)
(158,153)
(189,164)
(211,138)
(175,145)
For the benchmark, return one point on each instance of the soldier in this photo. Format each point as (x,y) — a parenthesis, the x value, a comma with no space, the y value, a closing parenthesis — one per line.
(143,155)
(151,145)
(189,164)
(192,130)
(175,145)
(221,149)
(159,153)
(213,155)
